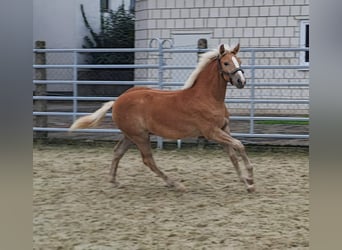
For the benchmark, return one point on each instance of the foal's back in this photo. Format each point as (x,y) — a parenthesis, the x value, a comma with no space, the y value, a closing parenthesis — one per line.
(143,110)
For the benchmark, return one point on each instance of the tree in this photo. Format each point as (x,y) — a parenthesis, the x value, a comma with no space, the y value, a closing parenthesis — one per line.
(116,31)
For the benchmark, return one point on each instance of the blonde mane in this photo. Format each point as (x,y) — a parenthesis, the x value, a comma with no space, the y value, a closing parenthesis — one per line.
(204,60)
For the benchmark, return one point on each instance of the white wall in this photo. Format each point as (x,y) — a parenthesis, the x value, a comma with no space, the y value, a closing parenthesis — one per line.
(262,23)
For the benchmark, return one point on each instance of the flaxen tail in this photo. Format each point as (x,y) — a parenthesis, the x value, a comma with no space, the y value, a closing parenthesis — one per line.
(93,119)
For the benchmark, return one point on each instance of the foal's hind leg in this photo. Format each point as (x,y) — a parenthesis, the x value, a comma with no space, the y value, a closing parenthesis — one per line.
(144,146)
(119,150)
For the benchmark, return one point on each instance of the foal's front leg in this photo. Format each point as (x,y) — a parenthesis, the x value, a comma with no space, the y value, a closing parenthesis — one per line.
(230,144)
(248,180)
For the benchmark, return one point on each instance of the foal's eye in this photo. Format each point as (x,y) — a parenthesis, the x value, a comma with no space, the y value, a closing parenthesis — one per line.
(226,63)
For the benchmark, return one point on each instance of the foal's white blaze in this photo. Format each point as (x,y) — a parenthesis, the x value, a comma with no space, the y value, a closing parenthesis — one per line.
(236,63)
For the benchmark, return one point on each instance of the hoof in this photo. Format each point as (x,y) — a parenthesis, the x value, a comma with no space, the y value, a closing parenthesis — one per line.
(114,182)
(250,189)
(179,187)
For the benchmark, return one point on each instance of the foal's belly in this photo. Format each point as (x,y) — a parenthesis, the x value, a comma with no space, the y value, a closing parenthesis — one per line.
(173,130)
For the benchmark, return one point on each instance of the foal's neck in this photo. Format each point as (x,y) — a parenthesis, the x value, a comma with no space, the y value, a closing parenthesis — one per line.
(210,83)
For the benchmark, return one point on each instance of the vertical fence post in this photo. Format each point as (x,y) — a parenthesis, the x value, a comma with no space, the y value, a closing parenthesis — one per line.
(160,81)
(74,86)
(201,44)
(40,90)
(252,113)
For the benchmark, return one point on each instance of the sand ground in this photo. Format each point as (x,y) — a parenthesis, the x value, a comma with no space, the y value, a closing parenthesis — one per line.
(75,207)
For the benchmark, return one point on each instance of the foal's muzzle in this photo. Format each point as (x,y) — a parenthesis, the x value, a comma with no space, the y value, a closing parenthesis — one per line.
(240,84)
(236,80)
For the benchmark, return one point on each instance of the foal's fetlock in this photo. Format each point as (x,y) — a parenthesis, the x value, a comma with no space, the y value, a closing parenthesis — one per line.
(169,182)
(114,182)
(247,180)
(250,188)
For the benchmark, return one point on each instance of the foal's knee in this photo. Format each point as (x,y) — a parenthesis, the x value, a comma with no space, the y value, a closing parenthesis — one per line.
(237,145)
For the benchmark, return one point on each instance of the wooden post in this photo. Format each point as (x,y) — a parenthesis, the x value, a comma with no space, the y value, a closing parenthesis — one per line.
(201,44)
(40,90)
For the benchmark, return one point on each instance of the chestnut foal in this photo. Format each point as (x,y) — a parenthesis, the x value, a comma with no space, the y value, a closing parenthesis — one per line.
(198,109)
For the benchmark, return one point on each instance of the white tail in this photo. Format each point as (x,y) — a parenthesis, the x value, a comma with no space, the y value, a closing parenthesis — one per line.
(93,119)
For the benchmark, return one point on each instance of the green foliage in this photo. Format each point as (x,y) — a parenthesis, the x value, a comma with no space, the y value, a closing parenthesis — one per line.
(280,122)
(116,31)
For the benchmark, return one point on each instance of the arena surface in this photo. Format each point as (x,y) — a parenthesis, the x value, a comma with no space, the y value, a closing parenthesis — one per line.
(75,207)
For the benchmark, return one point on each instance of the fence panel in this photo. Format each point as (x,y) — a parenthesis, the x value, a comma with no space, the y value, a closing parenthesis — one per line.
(276,94)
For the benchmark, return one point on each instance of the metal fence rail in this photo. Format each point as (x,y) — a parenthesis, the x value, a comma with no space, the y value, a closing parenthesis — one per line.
(162,66)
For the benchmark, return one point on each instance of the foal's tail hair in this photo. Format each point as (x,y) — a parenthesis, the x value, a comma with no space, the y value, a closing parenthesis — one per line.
(93,119)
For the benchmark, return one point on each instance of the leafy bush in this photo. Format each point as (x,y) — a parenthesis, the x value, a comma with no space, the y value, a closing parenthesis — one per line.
(116,31)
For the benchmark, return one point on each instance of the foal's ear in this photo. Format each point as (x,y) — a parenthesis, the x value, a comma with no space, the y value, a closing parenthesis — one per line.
(236,49)
(222,49)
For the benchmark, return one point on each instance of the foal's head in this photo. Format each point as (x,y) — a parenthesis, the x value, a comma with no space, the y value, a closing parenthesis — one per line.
(229,66)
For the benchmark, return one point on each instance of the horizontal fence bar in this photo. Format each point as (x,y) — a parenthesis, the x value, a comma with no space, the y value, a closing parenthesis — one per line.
(273,49)
(184,67)
(97,50)
(66,113)
(99,130)
(175,50)
(154,66)
(96,66)
(268,118)
(268,84)
(81,82)
(280,84)
(84,98)
(166,50)
(239,118)
(94,130)
(275,67)
(270,101)
(72,98)
(279,136)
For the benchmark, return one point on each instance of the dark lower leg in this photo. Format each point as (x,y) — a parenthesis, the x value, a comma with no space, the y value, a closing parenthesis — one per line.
(119,150)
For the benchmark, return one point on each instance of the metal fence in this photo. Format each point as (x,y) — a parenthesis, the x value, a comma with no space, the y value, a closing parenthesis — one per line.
(277,91)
